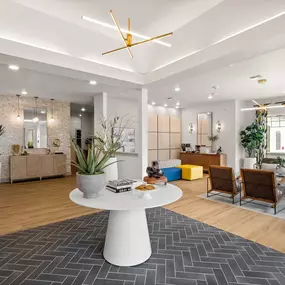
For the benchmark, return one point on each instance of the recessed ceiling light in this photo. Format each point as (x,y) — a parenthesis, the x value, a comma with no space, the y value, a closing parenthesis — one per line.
(92,82)
(210,96)
(24,92)
(177,107)
(177,89)
(231,65)
(83,109)
(177,103)
(80,115)
(14,67)
(165,105)
(43,112)
(152,103)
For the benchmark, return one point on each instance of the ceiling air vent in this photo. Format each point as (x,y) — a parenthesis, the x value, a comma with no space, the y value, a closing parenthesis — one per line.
(255,77)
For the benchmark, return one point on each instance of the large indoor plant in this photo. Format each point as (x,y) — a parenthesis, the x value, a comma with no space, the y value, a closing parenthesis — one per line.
(251,139)
(90,176)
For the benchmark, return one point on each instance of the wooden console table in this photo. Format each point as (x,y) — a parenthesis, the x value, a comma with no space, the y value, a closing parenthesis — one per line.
(203,159)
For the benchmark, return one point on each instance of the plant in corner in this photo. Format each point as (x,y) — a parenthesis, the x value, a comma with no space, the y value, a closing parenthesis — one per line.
(280,165)
(252,138)
(90,176)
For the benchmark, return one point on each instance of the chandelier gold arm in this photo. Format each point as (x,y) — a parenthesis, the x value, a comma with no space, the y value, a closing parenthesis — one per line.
(152,39)
(121,34)
(114,50)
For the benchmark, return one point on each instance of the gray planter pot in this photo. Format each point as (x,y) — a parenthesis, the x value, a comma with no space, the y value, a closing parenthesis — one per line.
(90,185)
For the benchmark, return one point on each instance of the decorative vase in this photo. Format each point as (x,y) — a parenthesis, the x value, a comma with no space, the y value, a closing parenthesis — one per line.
(16,148)
(214,148)
(111,171)
(249,162)
(90,185)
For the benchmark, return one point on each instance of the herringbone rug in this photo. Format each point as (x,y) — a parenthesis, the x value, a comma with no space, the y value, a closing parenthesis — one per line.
(185,251)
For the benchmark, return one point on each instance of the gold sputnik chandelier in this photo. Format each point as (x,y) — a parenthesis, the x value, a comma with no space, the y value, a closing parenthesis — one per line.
(128,40)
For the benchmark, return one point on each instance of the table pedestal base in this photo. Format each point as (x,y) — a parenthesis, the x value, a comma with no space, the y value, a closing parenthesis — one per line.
(127,240)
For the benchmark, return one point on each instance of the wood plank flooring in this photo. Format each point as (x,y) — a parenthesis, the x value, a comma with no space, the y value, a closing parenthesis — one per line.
(32,204)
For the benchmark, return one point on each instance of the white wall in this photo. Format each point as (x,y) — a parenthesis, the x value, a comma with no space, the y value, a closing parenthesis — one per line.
(160,110)
(75,124)
(130,166)
(223,112)
(87,127)
(233,120)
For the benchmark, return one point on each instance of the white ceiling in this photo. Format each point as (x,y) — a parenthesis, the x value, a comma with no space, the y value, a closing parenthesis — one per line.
(46,81)
(209,35)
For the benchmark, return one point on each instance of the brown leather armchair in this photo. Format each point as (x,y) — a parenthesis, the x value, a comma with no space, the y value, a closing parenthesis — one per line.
(222,179)
(260,185)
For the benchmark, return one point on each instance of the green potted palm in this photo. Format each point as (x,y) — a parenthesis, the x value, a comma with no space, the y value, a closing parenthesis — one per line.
(251,139)
(103,146)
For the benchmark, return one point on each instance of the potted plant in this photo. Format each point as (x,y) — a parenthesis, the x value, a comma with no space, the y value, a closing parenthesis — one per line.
(280,165)
(251,139)
(90,176)
(213,139)
(30,144)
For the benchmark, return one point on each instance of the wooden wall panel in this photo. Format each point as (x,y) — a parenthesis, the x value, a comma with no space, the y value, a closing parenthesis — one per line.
(152,122)
(152,140)
(163,124)
(175,153)
(163,154)
(175,125)
(152,155)
(163,141)
(175,140)
(164,137)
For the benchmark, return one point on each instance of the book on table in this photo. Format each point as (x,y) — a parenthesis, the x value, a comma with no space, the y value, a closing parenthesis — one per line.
(120,185)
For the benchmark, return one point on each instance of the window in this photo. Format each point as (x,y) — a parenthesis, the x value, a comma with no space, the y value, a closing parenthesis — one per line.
(276,133)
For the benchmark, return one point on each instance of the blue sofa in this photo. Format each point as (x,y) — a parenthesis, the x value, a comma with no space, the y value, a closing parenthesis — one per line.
(172,173)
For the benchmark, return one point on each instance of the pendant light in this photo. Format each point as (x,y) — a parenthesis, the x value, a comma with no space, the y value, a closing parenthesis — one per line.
(52,106)
(18,117)
(36,119)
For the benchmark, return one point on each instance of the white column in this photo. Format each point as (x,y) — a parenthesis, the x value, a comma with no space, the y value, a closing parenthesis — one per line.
(143,129)
(100,109)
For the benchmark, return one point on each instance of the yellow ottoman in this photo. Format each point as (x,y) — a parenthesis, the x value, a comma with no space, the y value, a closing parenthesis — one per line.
(191,172)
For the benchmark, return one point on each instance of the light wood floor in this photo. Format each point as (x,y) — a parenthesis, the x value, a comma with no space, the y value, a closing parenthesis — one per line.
(31,204)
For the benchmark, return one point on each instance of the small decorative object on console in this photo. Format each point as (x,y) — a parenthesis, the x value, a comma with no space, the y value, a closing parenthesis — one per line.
(16,148)
(219,150)
(121,185)
(197,148)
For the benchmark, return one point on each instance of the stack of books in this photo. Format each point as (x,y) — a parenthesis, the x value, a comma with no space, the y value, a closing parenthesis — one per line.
(121,185)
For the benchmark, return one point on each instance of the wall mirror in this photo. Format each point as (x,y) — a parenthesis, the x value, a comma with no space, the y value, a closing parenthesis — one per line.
(204,128)
(35,128)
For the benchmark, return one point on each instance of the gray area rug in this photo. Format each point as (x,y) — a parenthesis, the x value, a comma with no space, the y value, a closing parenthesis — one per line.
(185,251)
(257,206)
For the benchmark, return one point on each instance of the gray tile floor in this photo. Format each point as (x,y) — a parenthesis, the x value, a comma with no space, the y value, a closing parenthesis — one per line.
(185,251)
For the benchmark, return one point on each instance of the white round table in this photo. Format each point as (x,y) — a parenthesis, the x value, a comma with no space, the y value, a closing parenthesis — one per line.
(127,240)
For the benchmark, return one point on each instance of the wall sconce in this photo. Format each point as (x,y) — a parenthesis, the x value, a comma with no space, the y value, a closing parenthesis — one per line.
(218,127)
(190,128)
(52,109)
(18,117)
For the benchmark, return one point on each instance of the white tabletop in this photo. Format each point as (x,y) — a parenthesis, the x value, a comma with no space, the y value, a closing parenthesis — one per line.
(132,200)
